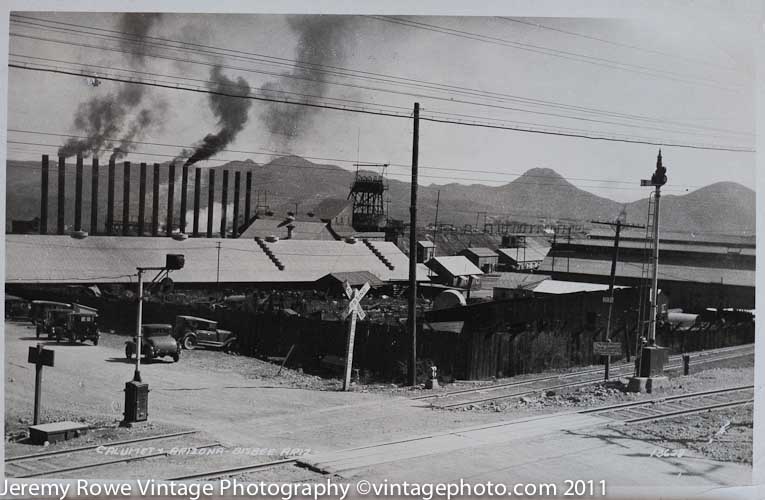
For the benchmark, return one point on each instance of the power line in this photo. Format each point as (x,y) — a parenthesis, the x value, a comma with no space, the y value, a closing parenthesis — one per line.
(284,154)
(599,61)
(620,44)
(361,87)
(379,113)
(396,80)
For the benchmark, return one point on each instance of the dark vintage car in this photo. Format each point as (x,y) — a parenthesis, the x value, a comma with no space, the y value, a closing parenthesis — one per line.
(16,307)
(157,342)
(192,332)
(54,324)
(38,312)
(82,326)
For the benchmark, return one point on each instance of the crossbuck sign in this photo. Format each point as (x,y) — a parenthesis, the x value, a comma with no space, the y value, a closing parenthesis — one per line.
(355,311)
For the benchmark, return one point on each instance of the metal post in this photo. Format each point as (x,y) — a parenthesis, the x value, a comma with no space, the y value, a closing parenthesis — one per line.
(655,278)
(38,384)
(349,351)
(139,319)
(412,313)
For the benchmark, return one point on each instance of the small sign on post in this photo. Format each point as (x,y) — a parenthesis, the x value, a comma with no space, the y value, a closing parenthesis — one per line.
(607,348)
(355,311)
(39,357)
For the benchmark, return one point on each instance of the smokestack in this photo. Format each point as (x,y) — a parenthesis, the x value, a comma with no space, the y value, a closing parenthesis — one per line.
(44,196)
(94,196)
(141,198)
(247,197)
(155,202)
(170,199)
(210,203)
(126,198)
(78,194)
(237,179)
(184,192)
(61,193)
(110,199)
(224,205)
(197,189)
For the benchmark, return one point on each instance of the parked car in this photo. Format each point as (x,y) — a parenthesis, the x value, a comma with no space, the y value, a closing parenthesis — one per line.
(156,342)
(54,324)
(83,326)
(192,332)
(39,310)
(16,307)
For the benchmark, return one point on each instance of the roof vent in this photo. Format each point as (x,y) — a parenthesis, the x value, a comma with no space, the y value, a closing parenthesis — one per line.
(272,239)
(310,214)
(269,213)
(79,235)
(350,240)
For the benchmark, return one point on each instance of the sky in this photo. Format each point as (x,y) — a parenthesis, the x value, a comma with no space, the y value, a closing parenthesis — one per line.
(664,78)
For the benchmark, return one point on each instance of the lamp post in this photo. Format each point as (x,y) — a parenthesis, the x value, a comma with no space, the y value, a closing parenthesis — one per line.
(136,392)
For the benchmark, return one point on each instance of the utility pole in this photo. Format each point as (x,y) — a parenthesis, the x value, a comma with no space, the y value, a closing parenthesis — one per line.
(412,313)
(435,222)
(612,282)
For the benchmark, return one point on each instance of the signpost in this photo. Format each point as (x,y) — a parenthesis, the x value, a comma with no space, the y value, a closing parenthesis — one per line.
(355,311)
(607,349)
(39,357)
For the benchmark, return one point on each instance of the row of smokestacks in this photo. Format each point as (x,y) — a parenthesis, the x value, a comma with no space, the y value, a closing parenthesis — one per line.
(127,226)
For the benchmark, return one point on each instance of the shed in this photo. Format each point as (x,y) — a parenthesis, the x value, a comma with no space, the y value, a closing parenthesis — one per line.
(335,282)
(484,258)
(455,270)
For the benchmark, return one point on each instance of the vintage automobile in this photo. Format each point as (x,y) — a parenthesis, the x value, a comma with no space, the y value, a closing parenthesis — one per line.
(156,342)
(38,312)
(192,332)
(82,326)
(16,307)
(54,324)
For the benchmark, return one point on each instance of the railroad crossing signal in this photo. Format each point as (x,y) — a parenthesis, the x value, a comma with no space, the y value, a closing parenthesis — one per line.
(39,357)
(355,311)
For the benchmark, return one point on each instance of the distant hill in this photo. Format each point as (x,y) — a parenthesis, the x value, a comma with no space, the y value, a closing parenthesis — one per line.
(538,194)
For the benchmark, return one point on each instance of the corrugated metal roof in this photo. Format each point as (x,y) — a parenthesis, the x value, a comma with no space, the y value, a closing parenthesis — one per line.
(519,280)
(663,246)
(525,254)
(304,230)
(480,252)
(634,270)
(113,259)
(560,287)
(455,265)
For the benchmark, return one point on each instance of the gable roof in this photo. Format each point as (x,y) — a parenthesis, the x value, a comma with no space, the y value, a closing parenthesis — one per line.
(454,265)
(480,252)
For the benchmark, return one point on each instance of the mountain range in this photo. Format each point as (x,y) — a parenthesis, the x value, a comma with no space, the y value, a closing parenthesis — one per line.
(540,194)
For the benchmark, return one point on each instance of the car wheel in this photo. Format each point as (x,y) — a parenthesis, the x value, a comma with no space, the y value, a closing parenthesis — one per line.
(189,342)
(95,341)
(128,352)
(176,357)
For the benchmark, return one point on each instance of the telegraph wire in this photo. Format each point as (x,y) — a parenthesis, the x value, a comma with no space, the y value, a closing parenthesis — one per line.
(381,113)
(387,79)
(599,61)
(620,44)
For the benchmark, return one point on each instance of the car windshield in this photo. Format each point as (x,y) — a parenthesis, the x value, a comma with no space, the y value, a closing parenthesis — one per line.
(156,332)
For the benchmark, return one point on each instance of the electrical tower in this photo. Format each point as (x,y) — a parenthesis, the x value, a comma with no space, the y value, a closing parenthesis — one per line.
(368,195)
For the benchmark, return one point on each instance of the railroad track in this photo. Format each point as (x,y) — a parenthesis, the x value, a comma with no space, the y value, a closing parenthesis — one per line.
(233,470)
(673,406)
(510,390)
(58,462)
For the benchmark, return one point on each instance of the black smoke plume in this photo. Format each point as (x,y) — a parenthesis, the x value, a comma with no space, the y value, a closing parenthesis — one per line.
(102,118)
(230,111)
(322,41)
